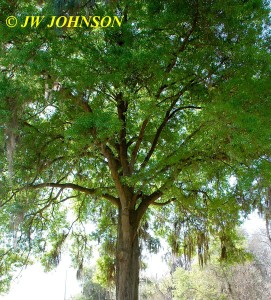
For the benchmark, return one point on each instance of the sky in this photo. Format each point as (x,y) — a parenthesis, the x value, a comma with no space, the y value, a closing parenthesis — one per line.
(35,284)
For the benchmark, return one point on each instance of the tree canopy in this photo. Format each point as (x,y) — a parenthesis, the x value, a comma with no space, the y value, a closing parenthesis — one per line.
(159,127)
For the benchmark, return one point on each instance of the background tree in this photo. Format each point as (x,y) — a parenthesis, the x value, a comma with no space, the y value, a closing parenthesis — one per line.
(91,290)
(247,279)
(221,282)
(137,129)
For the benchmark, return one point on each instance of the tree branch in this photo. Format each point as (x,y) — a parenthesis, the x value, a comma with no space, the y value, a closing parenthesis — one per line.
(138,143)
(113,163)
(163,203)
(88,191)
(122,109)
(185,40)
(169,114)
(183,46)
(157,136)
(146,202)
(182,108)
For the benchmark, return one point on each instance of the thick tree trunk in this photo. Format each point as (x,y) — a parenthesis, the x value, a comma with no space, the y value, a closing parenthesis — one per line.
(127,264)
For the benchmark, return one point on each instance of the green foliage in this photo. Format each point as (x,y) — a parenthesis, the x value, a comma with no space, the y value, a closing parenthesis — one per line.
(90,289)
(205,287)
(221,280)
(216,280)
(105,274)
(155,117)
(104,122)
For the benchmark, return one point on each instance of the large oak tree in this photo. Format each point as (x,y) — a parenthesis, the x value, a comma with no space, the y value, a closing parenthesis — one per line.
(158,127)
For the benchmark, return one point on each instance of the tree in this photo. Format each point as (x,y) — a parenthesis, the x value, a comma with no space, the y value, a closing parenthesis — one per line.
(137,128)
(240,281)
(247,279)
(92,290)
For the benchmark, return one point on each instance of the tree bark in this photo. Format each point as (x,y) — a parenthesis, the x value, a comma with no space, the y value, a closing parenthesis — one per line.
(127,257)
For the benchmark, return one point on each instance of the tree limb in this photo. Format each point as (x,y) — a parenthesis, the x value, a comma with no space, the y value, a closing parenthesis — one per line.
(122,109)
(185,40)
(146,202)
(169,114)
(88,191)
(183,46)
(138,143)
(163,203)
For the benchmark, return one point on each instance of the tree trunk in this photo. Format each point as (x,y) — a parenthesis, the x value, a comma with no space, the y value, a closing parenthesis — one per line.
(127,258)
